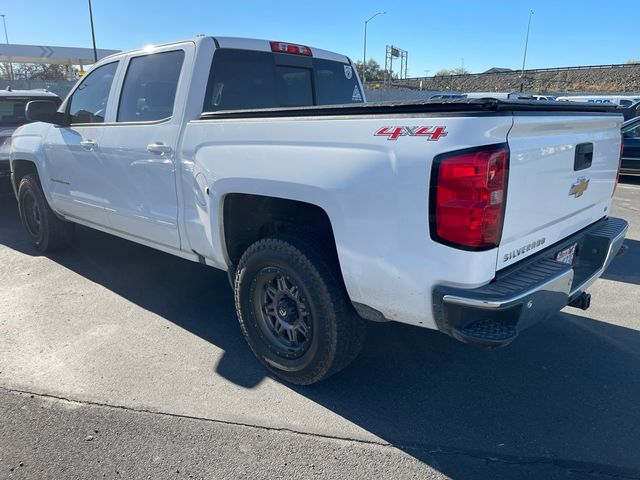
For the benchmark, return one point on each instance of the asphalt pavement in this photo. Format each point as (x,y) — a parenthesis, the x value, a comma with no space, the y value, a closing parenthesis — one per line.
(141,351)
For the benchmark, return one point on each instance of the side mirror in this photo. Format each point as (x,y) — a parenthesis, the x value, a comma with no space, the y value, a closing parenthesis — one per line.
(44,111)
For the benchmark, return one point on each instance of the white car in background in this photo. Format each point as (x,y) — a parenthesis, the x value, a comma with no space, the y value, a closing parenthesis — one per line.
(621,100)
(549,98)
(509,96)
(446,96)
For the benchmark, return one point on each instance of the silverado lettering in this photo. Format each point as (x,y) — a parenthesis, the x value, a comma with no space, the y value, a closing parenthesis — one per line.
(521,250)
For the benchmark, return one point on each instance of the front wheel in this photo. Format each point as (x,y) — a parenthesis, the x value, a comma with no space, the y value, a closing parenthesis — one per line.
(46,231)
(294,310)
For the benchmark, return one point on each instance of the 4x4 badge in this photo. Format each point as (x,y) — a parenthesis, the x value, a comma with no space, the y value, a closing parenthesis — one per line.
(578,188)
(433,134)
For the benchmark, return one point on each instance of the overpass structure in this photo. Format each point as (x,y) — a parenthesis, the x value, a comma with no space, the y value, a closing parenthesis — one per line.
(44,54)
(16,53)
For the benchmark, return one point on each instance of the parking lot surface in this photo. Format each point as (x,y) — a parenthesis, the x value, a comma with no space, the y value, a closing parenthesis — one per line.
(141,352)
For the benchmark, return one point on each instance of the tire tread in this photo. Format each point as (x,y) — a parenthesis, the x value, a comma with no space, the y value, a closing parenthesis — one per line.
(58,233)
(349,327)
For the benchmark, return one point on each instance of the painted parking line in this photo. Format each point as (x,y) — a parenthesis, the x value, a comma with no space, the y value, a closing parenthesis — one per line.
(630,187)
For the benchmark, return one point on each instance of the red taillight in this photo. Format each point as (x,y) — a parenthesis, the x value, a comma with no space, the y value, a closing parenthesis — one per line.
(469,197)
(282,47)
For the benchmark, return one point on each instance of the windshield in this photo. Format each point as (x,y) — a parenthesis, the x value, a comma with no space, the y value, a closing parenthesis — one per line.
(12,109)
(631,130)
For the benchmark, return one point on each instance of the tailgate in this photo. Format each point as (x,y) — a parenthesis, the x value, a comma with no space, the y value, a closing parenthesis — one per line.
(562,174)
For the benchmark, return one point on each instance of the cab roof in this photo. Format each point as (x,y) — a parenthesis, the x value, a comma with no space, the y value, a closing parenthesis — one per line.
(238,43)
(265,46)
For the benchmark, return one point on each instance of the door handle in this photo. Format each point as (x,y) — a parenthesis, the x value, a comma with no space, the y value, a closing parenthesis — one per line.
(159,148)
(88,144)
(583,156)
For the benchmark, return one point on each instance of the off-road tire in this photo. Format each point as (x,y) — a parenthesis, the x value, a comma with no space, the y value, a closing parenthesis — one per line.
(44,228)
(337,332)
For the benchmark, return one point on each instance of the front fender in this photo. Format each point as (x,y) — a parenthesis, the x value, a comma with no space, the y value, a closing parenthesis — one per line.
(27,145)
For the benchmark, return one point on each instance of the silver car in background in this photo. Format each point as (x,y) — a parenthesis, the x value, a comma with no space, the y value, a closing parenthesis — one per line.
(12,115)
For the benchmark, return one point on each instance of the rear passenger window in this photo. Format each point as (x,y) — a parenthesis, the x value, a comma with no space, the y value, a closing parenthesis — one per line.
(149,88)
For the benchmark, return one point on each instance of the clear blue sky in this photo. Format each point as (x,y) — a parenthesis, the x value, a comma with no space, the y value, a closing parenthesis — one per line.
(437,34)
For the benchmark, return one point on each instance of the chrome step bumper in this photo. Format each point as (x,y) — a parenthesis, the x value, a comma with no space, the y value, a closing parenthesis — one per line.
(529,291)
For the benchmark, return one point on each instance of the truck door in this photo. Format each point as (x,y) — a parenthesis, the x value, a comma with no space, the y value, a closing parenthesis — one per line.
(631,143)
(139,148)
(72,152)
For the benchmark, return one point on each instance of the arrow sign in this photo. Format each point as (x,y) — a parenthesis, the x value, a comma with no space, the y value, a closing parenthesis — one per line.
(46,52)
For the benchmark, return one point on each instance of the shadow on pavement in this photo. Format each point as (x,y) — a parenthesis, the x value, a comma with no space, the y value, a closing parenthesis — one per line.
(627,267)
(566,394)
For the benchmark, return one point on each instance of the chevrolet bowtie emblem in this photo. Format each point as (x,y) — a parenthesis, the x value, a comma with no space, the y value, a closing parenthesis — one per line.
(578,188)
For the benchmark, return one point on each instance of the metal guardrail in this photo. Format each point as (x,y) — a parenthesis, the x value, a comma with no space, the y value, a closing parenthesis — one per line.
(530,71)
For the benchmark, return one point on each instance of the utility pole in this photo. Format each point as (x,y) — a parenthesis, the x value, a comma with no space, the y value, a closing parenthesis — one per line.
(364,56)
(6,37)
(93,34)
(524,57)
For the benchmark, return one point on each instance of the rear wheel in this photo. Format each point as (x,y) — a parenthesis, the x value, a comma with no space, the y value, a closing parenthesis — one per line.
(46,231)
(294,310)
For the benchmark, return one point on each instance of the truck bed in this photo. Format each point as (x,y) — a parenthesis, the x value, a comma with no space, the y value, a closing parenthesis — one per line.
(475,106)
(372,188)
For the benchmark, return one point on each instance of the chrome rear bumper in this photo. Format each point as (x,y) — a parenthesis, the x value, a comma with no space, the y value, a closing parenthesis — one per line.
(529,291)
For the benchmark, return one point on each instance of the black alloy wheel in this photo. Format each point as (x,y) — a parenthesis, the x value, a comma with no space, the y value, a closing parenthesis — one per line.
(294,310)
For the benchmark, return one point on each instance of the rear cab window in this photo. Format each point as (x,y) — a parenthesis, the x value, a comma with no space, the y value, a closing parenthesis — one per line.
(245,79)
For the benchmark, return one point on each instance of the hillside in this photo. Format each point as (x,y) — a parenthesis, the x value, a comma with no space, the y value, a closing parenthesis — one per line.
(596,79)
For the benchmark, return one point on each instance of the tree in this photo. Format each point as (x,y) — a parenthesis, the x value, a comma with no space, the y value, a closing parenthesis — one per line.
(453,71)
(42,71)
(373,71)
(39,71)
(5,71)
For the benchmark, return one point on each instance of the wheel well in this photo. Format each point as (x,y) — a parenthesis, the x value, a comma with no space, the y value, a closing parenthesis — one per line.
(248,218)
(21,168)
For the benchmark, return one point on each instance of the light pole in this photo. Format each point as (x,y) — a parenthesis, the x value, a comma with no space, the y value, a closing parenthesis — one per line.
(524,57)
(93,34)
(364,56)
(6,37)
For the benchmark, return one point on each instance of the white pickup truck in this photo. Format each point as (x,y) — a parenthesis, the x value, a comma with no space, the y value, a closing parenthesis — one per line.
(473,217)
